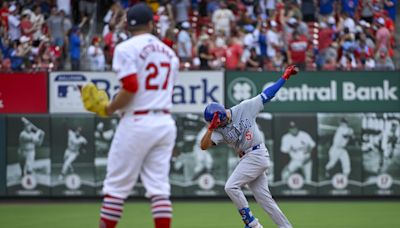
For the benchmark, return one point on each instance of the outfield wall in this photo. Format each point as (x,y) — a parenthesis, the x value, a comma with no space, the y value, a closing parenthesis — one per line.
(315,101)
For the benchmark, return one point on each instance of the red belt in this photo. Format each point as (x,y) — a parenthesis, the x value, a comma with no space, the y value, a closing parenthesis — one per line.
(144,112)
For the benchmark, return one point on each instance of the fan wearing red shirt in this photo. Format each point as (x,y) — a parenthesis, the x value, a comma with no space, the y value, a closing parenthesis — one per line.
(233,54)
(4,15)
(297,50)
(27,28)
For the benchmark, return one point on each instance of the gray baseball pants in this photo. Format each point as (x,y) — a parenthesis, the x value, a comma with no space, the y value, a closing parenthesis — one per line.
(251,171)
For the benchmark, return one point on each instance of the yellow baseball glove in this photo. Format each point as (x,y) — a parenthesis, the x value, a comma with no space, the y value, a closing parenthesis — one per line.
(94,100)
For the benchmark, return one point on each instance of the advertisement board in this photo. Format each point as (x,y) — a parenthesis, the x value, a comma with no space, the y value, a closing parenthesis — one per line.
(65,89)
(23,93)
(192,91)
(28,155)
(320,91)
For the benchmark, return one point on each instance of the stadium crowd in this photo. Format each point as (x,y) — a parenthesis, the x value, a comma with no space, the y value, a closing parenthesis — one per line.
(206,34)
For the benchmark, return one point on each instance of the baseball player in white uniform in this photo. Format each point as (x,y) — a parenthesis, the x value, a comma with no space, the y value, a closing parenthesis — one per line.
(75,142)
(338,151)
(29,138)
(145,136)
(298,144)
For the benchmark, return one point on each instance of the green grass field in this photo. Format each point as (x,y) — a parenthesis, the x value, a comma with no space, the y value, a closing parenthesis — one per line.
(221,214)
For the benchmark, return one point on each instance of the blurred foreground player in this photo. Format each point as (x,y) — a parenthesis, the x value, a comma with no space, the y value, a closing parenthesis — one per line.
(237,127)
(146,133)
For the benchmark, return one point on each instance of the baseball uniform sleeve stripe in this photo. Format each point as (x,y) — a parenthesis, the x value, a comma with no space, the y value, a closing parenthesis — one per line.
(130,83)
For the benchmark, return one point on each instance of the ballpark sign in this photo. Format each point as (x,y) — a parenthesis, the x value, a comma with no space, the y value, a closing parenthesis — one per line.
(192,91)
(320,91)
(65,89)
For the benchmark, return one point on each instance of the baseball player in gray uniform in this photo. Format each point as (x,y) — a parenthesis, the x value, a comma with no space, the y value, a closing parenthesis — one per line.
(237,127)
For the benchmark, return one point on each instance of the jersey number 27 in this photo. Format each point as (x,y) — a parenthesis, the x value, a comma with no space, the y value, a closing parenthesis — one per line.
(154,73)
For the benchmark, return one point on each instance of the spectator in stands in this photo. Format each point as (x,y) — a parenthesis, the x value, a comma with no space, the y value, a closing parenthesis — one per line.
(110,40)
(363,52)
(22,54)
(330,65)
(37,20)
(55,26)
(349,7)
(325,39)
(382,36)
(384,62)
(233,53)
(308,8)
(46,57)
(27,28)
(164,21)
(367,11)
(250,40)
(253,60)
(4,15)
(96,55)
(326,7)
(64,5)
(297,49)
(185,43)
(274,40)
(87,8)
(278,61)
(75,48)
(204,53)
(181,10)
(169,38)
(14,23)
(390,7)
(212,6)
(66,23)
(222,18)
(262,40)
(346,21)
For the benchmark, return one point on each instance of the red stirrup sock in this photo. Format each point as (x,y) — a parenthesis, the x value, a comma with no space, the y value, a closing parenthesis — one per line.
(162,211)
(111,211)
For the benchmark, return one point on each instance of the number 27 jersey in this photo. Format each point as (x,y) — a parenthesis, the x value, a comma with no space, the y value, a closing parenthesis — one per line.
(156,67)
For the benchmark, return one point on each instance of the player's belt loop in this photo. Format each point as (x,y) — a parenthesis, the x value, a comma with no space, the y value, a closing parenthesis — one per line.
(145,112)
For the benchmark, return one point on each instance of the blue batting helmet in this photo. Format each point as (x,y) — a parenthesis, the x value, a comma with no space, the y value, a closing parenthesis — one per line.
(211,109)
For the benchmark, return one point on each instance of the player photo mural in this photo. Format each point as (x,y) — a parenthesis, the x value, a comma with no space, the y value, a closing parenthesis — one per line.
(381,153)
(73,155)
(28,155)
(295,158)
(339,154)
(195,172)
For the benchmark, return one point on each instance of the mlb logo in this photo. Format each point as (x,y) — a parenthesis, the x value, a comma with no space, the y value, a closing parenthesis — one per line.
(68,91)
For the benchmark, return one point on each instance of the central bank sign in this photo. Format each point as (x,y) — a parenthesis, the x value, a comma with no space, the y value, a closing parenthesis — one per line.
(316,91)
(192,91)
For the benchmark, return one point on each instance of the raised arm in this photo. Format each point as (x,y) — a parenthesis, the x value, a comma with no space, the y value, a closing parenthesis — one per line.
(270,92)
